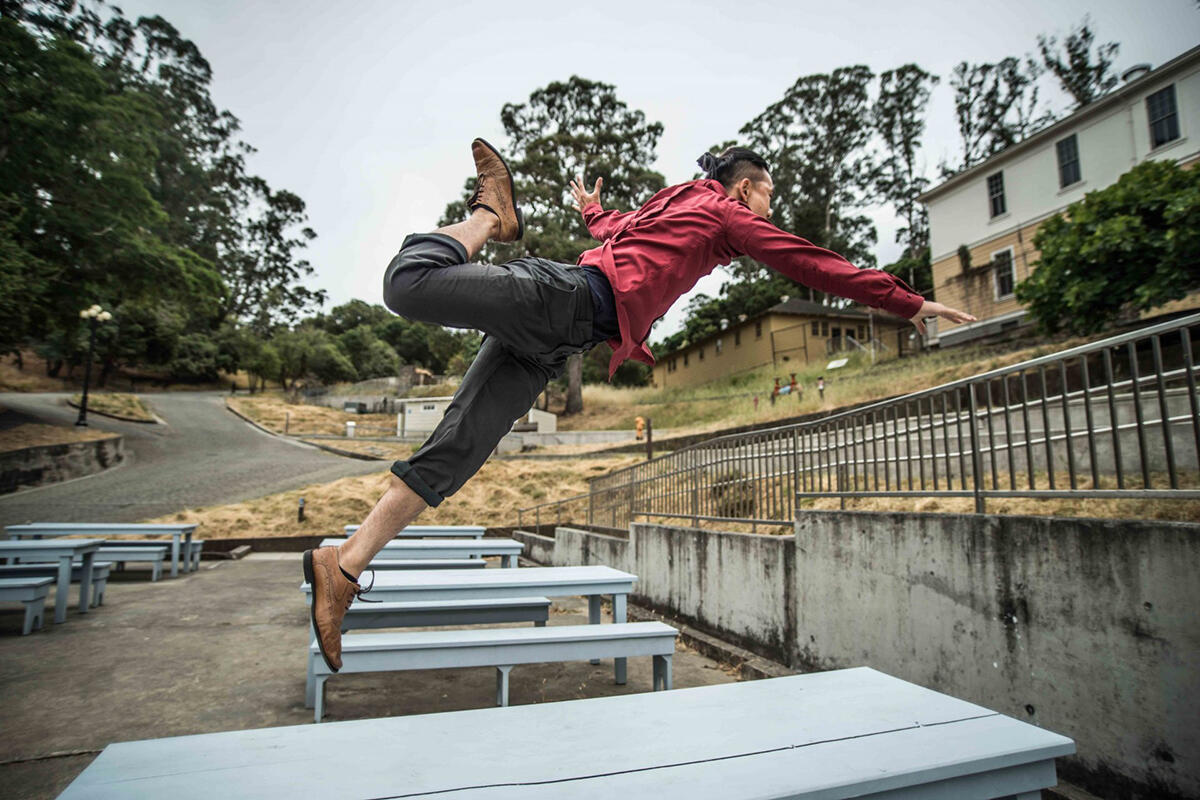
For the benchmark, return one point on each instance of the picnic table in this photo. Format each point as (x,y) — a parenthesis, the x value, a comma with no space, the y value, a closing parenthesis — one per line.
(434,531)
(65,552)
(827,735)
(474,584)
(177,531)
(508,549)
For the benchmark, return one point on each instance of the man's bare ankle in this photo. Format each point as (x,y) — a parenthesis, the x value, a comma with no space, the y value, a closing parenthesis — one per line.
(492,220)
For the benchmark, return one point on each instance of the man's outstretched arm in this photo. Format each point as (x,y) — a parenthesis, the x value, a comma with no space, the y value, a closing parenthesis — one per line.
(828,272)
(601,224)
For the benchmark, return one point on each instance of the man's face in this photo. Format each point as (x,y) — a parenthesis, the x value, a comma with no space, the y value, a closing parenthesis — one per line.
(756,194)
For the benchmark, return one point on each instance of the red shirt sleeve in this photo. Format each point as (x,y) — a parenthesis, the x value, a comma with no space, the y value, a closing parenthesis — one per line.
(823,270)
(602,224)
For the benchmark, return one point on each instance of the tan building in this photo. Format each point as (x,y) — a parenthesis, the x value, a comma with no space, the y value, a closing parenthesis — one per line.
(983,220)
(793,333)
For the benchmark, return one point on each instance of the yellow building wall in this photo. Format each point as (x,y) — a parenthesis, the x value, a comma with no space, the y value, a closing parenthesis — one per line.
(794,346)
(975,291)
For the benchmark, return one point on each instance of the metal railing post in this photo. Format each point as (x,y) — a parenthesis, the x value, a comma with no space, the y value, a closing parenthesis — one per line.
(976,456)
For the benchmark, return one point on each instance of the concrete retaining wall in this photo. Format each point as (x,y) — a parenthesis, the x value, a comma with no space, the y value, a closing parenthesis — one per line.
(34,466)
(1086,627)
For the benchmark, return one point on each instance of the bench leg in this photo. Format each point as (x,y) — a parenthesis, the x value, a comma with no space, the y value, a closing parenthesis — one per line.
(85,582)
(594,616)
(98,591)
(156,573)
(662,672)
(62,588)
(502,685)
(619,664)
(310,683)
(319,698)
(34,613)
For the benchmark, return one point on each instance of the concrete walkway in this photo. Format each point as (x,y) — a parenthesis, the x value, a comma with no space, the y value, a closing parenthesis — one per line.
(202,455)
(224,649)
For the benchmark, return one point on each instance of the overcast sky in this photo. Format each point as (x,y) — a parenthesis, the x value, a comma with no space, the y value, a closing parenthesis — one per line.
(367,109)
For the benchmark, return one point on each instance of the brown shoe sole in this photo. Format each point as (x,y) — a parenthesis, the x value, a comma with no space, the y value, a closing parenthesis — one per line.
(512,189)
(312,606)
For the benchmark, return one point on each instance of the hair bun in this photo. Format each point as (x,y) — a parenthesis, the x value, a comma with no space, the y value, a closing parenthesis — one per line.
(710,164)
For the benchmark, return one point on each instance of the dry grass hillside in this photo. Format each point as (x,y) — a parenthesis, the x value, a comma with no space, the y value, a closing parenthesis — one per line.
(492,497)
(731,401)
(16,433)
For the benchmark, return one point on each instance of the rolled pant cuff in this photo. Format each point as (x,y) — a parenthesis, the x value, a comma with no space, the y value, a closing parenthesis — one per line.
(441,238)
(404,471)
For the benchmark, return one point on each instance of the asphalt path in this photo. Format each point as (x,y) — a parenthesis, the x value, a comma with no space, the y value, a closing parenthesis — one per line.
(201,454)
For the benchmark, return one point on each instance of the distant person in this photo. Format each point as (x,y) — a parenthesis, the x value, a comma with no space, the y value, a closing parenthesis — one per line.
(536,313)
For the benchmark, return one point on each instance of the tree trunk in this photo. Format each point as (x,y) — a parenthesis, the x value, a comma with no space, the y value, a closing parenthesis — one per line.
(574,385)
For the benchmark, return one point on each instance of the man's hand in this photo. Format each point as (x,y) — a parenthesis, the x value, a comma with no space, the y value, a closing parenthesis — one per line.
(582,198)
(932,309)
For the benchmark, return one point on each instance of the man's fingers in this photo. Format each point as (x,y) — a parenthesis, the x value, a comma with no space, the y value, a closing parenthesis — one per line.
(919,324)
(596,188)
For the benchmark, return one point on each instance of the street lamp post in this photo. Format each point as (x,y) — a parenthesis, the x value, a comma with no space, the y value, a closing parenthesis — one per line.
(94,315)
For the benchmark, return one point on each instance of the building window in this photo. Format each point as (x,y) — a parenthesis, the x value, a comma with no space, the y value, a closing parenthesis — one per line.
(1068,162)
(1002,269)
(824,328)
(1164,118)
(862,335)
(737,338)
(758,330)
(995,187)
(720,346)
(816,328)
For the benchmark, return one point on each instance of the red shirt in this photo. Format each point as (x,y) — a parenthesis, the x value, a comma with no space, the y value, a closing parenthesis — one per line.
(655,254)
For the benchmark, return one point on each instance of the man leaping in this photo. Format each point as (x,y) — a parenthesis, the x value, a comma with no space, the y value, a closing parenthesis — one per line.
(536,313)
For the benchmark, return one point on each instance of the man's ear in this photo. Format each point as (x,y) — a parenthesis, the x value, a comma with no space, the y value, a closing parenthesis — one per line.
(743,189)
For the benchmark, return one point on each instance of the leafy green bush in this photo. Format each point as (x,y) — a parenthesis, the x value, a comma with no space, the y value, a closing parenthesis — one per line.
(1130,247)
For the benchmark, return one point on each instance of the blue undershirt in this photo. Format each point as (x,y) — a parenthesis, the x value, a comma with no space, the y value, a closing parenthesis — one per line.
(604,305)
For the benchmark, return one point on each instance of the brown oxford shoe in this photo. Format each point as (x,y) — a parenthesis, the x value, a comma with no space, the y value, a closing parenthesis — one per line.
(331,595)
(494,191)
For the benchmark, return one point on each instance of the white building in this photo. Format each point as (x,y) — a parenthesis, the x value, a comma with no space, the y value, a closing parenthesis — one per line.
(994,209)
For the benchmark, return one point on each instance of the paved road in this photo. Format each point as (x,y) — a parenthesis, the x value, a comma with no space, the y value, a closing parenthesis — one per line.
(202,455)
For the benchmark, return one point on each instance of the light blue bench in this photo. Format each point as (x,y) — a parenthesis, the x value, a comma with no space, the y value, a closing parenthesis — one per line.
(32,592)
(121,554)
(442,613)
(189,551)
(100,571)
(845,733)
(432,531)
(390,564)
(502,648)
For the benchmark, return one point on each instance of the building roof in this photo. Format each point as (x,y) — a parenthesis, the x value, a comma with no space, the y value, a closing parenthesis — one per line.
(1114,98)
(794,305)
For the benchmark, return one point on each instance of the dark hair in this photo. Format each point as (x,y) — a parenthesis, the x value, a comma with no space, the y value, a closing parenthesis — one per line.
(733,164)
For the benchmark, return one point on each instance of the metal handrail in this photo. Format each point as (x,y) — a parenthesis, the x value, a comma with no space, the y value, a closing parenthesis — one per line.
(1045,420)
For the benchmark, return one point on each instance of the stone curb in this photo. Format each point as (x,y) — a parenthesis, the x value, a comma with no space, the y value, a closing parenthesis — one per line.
(91,410)
(335,450)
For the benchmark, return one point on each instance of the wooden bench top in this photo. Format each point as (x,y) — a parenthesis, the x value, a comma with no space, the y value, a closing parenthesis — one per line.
(106,528)
(444,548)
(840,734)
(32,582)
(428,605)
(500,637)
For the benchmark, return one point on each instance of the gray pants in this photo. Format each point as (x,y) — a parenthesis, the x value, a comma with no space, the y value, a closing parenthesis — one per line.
(533,313)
